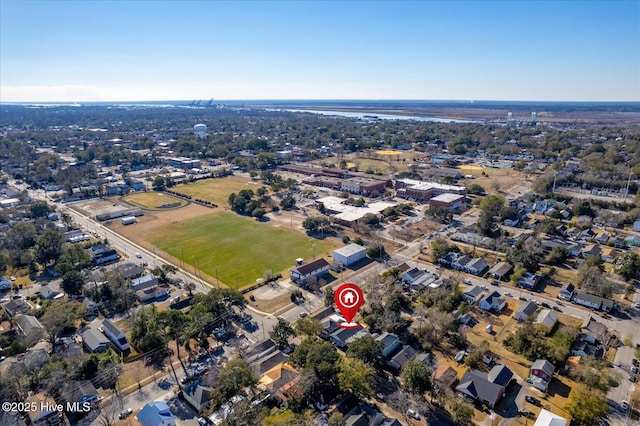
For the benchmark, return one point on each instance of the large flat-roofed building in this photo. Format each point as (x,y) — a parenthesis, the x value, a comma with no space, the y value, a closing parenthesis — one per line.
(425,191)
(349,254)
(450,201)
(184,163)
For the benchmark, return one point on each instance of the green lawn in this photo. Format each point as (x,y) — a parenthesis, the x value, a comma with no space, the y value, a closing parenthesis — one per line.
(217,190)
(233,247)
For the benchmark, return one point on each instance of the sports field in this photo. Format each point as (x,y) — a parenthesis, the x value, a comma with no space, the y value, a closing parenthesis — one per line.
(154,200)
(217,190)
(364,164)
(230,247)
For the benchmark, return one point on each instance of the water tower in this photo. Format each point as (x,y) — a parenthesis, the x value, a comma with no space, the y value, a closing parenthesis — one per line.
(201,130)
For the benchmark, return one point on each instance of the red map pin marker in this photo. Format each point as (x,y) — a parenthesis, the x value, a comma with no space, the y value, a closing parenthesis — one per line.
(348,298)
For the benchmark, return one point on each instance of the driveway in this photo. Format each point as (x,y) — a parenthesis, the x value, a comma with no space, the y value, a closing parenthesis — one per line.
(621,368)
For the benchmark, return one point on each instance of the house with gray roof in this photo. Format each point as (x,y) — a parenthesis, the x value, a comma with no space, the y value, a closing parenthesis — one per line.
(94,341)
(30,327)
(390,342)
(48,293)
(404,355)
(485,388)
(546,319)
(197,395)
(15,307)
(493,302)
(116,335)
(525,311)
(472,294)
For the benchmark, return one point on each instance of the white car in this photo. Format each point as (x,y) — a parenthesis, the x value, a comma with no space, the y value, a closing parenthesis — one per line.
(138,255)
(637,305)
(624,405)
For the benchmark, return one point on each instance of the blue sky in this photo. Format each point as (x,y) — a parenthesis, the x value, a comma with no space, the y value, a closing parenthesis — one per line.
(170,50)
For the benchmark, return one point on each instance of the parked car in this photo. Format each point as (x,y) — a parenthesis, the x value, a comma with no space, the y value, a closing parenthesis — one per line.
(532,400)
(411,413)
(636,362)
(125,413)
(634,369)
(202,421)
(557,308)
(632,379)
(524,412)
(624,405)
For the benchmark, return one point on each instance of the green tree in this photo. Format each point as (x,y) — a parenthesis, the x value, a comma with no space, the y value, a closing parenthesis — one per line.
(440,248)
(476,189)
(558,255)
(490,207)
(368,350)
(328,297)
(72,283)
(462,412)
(369,219)
(628,265)
(440,214)
(416,377)
(281,332)
(587,405)
(40,208)
(309,327)
(49,247)
(234,376)
(159,184)
(61,315)
(376,251)
(356,377)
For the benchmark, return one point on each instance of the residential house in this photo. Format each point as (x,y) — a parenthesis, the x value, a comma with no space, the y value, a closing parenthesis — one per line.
(94,341)
(16,307)
(92,307)
(363,415)
(47,293)
(444,377)
(602,238)
(591,250)
(636,225)
(617,241)
(156,414)
(476,386)
(316,268)
(529,280)
(260,350)
(390,343)
(404,355)
(609,254)
(592,301)
(266,363)
(477,266)
(30,327)
(582,348)
(493,302)
(500,375)
(130,270)
(472,294)
(43,414)
(340,336)
(144,282)
(546,319)
(198,396)
(540,374)
(566,292)
(80,392)
(501,271)
(460,263)
(412,275)
(116,335)
(279,381)
(152,293)
(5,284)
(594,331)
(547,418)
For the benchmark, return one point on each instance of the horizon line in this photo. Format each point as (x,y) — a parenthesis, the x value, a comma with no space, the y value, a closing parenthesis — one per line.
(467,101)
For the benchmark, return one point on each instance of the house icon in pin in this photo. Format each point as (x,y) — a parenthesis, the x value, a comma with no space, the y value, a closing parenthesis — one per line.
(349,298)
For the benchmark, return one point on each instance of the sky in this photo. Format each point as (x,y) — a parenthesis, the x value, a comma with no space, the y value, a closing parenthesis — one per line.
(80,51)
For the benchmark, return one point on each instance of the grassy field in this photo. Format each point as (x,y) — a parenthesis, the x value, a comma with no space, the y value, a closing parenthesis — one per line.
(217,190)
(235,248)
(153,200)
(364,164)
